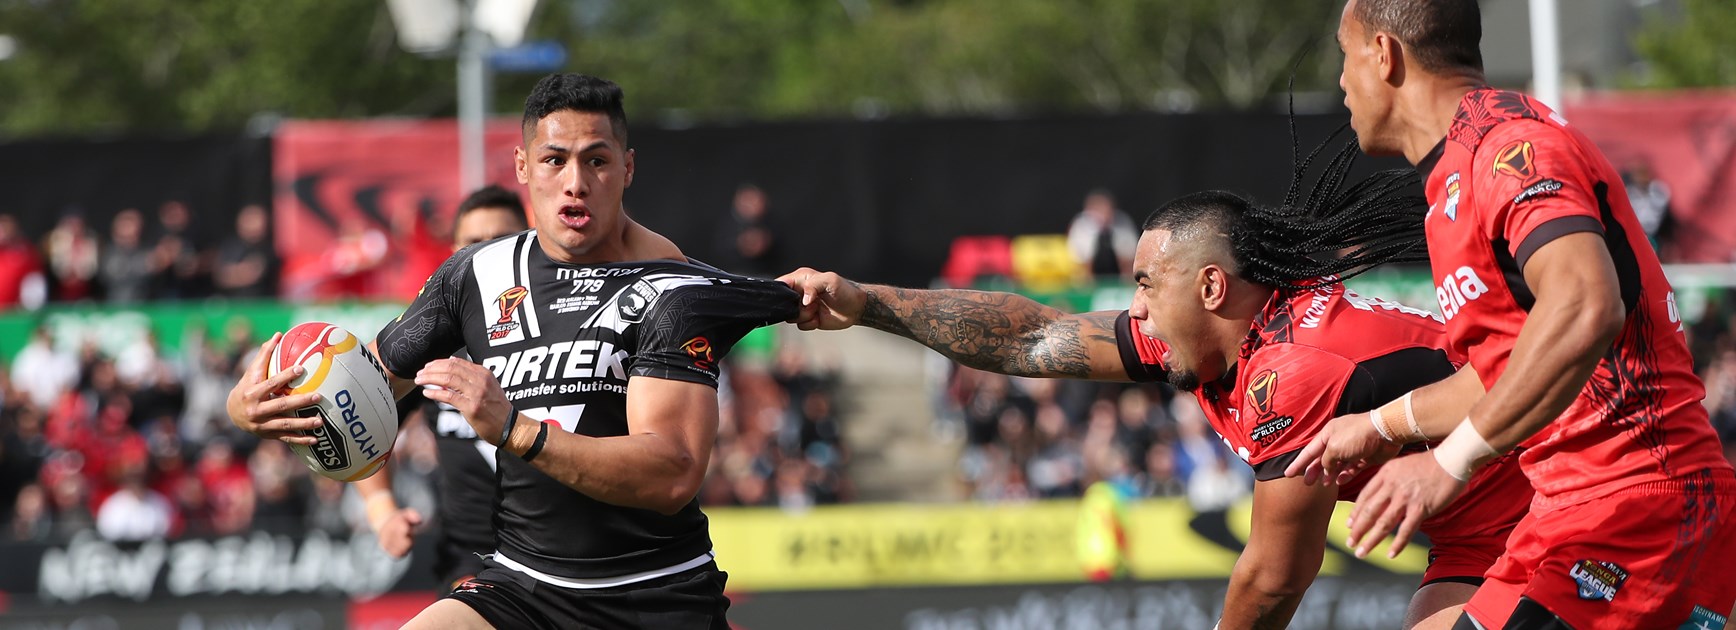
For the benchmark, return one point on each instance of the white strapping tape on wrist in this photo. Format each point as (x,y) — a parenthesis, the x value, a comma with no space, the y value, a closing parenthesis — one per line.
(1462,451)
(1410,415)
(1379,424)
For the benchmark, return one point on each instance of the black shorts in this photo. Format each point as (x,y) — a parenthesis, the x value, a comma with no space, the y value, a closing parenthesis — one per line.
(454,563)
(509,599)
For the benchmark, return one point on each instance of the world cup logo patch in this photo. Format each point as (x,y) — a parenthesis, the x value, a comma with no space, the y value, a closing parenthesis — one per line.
(699,348)
(508,304)
(1516,160)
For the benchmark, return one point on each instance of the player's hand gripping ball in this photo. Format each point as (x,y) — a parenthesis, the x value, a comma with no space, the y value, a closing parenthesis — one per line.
(355,400)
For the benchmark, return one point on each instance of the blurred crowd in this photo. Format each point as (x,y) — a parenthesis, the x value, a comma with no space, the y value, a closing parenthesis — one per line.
(1047,438)
(1713,340)
(134,443)
(161,257)
(780,437)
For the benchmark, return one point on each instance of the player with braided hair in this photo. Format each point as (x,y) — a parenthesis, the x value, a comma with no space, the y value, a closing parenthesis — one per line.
(1328,237)
(1242,305)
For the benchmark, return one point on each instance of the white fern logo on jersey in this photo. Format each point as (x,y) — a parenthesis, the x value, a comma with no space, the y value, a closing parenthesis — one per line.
(1458,289)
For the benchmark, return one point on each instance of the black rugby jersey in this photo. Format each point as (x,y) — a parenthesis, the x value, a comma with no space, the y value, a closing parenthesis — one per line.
(465,480)
(563,339)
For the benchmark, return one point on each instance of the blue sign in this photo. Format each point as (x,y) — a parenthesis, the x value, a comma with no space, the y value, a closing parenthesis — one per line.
(542,56)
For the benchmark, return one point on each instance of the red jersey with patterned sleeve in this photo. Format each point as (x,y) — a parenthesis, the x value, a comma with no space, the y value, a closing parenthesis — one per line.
(1510,177)
(1315,355)
(1299,369)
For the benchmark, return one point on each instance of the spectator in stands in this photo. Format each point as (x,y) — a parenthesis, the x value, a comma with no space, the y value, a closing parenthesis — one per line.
(1135,429)
(748,245)
(19,266)
(68,493)
(1159,478)
(127,263)
(73,258)
(1102,237)
(281,506)
(1651,202)
(179,256)
(247,264)
(1721,396)
(21,447)
(135,511)
(31,518)
(209,369)
(228,487)
(1056,469)
(1215,486)
(40,373)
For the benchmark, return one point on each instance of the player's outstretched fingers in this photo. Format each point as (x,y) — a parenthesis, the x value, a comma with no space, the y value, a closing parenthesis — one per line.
(1369,503)
(471,389)
(289,437)
(1388,518)
(1344,476)
(257,369)
(276,383)
(281,412)
(1413,518)
(281,424)
(1307,463)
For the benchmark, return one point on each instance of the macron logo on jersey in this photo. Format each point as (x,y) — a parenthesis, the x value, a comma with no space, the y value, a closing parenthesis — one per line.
(1458,289)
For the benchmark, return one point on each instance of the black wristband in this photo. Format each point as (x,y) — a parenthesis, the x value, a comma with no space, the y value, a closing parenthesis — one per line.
(511,421)
(542,436)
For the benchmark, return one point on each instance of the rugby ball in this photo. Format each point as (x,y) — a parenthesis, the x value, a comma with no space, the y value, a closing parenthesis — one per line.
(355,400)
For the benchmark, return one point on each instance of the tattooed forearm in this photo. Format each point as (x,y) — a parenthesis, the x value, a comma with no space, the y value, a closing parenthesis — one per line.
(998,332)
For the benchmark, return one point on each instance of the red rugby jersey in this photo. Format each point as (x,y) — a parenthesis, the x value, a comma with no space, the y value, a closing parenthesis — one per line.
(1309,357)
(1511,176)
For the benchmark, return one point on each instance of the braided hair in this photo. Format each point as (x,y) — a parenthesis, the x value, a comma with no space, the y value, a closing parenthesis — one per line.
(1315,238)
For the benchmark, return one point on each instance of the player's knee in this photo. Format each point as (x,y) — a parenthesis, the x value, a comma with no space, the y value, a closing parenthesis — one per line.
(448,613)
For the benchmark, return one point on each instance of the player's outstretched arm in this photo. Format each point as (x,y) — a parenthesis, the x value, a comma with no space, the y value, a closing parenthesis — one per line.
(1349,444)
(1286,543)
(997,332)
(1577,315)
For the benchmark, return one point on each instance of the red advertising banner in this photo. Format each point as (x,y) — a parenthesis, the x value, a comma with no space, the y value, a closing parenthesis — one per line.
(364,208)
(1687,140)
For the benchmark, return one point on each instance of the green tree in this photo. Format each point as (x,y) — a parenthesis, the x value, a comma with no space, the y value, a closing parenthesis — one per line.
(90,66)
(175,65)
(803,58)
(1698,50)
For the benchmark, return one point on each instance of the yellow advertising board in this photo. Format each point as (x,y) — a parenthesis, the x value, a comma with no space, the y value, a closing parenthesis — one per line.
(857,546)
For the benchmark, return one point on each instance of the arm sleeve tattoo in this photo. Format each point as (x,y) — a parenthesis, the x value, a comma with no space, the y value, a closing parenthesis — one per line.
(997,332)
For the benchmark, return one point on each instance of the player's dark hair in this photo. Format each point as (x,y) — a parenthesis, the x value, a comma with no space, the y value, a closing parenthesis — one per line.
(1442,35)
(490,196)
(1333,232)
(577,92)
